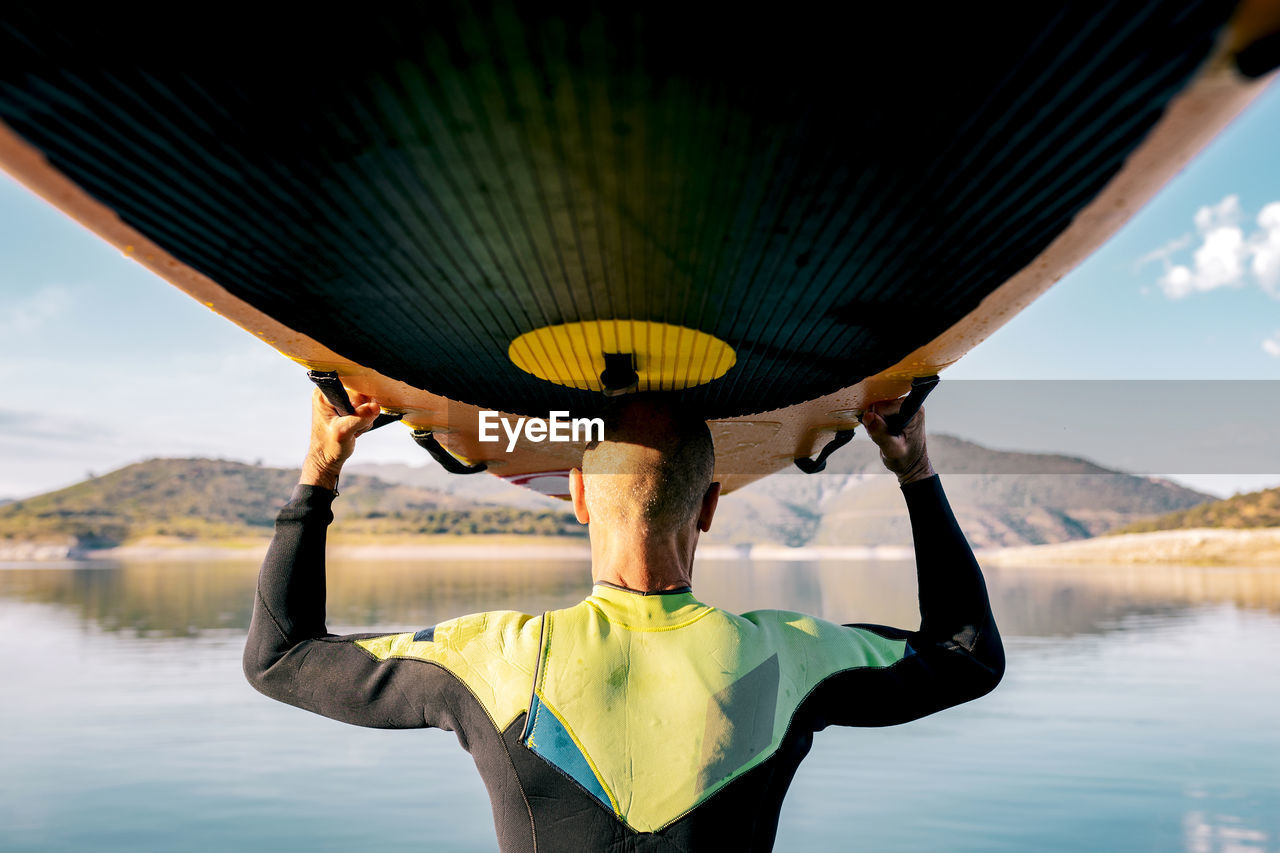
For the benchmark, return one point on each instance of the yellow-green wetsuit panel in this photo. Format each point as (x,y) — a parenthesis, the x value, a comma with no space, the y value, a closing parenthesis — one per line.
(662,699)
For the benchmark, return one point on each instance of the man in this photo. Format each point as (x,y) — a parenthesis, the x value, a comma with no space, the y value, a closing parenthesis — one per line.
(641,718)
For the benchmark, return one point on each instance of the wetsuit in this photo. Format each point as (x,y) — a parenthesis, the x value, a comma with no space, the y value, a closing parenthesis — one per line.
(629,722)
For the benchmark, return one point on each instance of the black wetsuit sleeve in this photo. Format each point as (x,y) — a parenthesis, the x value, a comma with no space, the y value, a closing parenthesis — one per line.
(290,656)
(954,657)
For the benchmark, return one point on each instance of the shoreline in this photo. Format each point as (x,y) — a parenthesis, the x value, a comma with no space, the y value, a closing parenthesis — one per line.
(475,548)
(1201,546)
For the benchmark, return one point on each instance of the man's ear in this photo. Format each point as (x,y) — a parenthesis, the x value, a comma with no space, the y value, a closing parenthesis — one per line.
(578,492)
(709,501)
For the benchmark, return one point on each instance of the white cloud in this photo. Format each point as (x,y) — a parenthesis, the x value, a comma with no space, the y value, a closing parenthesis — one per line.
(1168,250)
(1224,214)
(1227,256)
(1271,346)
(1266,249)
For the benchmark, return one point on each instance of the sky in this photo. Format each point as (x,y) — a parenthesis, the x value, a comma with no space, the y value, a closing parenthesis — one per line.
(103,364)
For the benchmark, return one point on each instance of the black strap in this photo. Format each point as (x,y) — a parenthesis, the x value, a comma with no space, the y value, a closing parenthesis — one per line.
(819,462)
(447,460)
(331,386)
(1261,57)
(920,388)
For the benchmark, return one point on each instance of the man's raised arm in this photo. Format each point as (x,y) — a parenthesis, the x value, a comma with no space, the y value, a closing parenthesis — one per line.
(956,655)
(289,655)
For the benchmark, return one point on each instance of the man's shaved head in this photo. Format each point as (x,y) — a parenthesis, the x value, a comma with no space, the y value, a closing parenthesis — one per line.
(653,467)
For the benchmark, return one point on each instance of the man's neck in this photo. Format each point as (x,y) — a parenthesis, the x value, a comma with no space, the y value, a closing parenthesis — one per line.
(645,563)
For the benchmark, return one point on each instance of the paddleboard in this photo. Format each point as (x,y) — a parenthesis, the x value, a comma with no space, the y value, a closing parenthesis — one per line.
(468,207)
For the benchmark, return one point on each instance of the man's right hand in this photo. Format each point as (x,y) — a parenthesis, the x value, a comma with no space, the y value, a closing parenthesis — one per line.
(906,454)
(333,437)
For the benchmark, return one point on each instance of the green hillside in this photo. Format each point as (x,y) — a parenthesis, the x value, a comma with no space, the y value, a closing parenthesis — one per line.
(1000,498)
(1242,512)
(205,499)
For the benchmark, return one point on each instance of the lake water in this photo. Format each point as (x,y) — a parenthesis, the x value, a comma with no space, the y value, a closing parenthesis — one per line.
(1141,711)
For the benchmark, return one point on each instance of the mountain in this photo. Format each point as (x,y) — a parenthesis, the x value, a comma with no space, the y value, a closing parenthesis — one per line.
(473,487)
(206,499)
(1000,498)
(1241,512)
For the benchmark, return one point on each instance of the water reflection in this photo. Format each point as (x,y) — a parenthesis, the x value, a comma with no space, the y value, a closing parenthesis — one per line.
(1228,833)
(1138,713)
(176,600)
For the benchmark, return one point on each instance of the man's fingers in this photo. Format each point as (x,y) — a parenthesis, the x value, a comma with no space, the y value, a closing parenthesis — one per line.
(367,410)
(364,406)
(344,428)
(874,424)
(349,426)
(873,418)
(884,408)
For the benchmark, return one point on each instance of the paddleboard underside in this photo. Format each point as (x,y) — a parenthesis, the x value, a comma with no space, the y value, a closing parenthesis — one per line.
(477,202)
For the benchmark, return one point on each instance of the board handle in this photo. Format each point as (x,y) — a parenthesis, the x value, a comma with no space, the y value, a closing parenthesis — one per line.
(447,460)
(921,386)
(331,387)
(819,462)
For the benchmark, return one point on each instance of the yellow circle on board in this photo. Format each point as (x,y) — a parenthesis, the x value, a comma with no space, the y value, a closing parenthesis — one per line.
(666,357)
